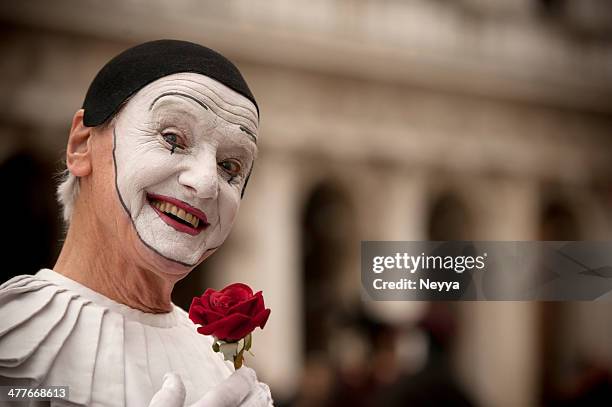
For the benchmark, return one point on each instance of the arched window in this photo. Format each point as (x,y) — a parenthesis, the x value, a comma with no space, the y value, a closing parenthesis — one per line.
(449,219)
(30,215)
(327,233)
(558,222)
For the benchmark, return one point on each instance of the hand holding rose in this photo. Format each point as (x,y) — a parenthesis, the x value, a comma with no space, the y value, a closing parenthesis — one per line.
(230,315)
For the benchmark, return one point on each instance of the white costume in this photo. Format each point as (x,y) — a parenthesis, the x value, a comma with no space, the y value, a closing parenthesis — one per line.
(57,332)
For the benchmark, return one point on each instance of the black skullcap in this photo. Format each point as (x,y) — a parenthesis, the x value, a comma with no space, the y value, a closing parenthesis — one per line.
(136,67)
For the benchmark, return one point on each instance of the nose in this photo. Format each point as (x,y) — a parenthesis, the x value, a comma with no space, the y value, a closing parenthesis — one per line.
(200,176)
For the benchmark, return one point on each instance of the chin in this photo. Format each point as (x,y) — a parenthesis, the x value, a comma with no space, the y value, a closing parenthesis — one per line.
(161,265)
(165,267)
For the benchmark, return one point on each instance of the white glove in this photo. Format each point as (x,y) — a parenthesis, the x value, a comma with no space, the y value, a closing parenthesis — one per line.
(171,394)
(241,388)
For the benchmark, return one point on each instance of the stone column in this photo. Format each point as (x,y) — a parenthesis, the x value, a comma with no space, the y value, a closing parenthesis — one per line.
(390,205)
(497,345)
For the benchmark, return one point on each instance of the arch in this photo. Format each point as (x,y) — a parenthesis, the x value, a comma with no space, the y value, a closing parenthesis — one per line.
(327,230)
(558,221)
(30,215)
(449,219)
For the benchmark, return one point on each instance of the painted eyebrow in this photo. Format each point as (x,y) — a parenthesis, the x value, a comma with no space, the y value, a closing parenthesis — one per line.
(248,132)
(199,102)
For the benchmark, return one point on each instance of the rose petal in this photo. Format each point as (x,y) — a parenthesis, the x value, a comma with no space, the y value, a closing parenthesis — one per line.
(261,318)
(241,326)
(233,327)
(211,316)
(205,330)
(195,302)
(208,292)
(238,291)
(195,310)
(202,316)
(221,302)
(205,298)
(239,286)
(219,327)
(249,307)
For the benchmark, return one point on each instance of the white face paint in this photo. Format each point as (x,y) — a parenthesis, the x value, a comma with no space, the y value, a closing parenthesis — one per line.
(184,142)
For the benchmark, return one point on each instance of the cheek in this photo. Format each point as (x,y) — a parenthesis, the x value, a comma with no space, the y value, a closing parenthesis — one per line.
(228,204)
(141,162)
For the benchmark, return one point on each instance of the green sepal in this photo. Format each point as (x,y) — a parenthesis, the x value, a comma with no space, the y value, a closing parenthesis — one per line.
(248,341)
(238,359)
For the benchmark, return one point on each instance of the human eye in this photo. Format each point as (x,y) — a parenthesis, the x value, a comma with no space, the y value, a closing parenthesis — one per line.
(232,167)
(173,140)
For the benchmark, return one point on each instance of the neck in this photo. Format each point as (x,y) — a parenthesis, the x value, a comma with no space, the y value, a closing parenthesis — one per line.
(91,259)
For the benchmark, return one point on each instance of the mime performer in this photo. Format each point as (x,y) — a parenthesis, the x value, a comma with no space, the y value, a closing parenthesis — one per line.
(157,162)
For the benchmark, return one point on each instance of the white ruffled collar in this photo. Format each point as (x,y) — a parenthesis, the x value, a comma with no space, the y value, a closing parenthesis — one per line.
(164,320)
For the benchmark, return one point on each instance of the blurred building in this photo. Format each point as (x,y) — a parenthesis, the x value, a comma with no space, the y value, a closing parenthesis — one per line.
(380,120)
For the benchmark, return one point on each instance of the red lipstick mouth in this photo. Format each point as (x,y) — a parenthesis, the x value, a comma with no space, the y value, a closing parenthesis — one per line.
(178,214)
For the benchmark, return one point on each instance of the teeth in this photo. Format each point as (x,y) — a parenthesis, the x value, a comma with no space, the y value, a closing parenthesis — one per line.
(178,212)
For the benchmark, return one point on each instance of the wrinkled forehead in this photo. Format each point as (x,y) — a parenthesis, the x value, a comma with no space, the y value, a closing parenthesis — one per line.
(207,92)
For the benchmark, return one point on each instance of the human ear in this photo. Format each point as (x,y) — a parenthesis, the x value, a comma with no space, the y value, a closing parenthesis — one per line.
(78,151)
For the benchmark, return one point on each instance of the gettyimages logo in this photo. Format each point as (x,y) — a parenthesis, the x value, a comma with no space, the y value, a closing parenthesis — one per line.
(422,262)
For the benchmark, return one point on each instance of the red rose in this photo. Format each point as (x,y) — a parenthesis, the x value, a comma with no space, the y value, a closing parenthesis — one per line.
(229,314)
